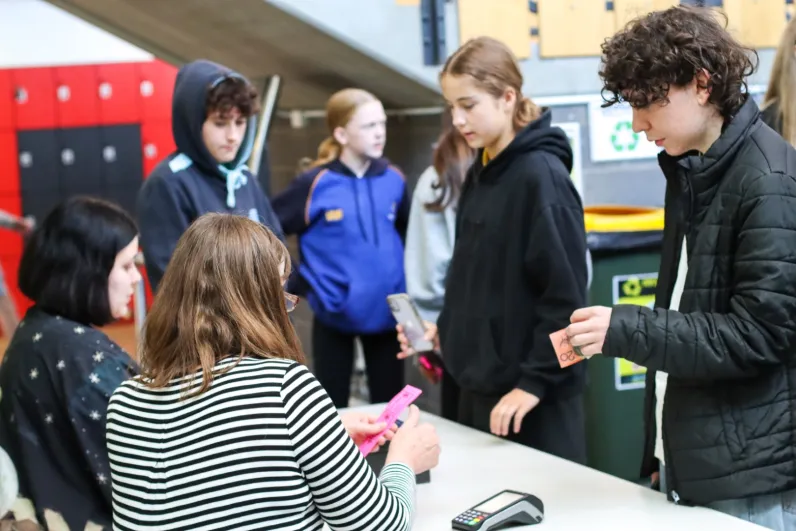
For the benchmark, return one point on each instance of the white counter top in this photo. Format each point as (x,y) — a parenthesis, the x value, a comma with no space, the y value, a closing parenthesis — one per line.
(474,466)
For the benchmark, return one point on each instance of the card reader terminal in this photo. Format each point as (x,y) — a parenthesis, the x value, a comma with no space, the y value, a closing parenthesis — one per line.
(508,507)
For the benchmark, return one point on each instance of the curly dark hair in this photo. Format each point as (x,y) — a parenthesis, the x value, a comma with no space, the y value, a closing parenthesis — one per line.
(232,93)
(668,48)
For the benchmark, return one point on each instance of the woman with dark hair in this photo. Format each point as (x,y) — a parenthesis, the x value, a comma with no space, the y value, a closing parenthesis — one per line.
(431,233)
(59,370)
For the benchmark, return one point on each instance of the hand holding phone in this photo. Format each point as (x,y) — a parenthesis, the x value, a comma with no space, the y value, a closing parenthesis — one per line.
(417,337)
(429,339)
(414,334)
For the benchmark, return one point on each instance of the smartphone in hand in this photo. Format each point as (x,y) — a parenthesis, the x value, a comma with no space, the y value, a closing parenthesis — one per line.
(406,314)
(427,360)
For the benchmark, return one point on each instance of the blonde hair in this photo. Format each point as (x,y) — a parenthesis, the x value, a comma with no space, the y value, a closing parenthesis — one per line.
(494,68)
(782,84)
(339,110)
(221,296)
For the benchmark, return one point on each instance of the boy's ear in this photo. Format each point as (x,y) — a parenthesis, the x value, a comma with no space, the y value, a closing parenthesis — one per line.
(702,86)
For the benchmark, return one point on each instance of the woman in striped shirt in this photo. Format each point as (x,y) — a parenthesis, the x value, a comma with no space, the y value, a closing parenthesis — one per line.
(226,428)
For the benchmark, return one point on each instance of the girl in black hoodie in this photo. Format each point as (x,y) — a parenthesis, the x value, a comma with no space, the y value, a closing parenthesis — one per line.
(518,269)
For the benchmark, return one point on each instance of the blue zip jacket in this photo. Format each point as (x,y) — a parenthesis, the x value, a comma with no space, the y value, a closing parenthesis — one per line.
(191,182)
(351,233)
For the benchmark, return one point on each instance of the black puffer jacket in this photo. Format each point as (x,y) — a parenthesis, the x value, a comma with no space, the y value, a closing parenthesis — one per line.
(730,406)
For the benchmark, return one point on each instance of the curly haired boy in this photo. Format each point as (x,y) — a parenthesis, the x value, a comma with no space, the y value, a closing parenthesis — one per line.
(720,345)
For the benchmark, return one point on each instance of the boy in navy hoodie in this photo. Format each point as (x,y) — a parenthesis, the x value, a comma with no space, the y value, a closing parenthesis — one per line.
(213,121)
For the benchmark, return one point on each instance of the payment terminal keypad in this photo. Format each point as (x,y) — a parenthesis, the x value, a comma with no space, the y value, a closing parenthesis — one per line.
(471,517)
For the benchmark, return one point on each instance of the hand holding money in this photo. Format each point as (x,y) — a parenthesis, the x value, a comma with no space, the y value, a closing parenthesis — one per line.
(588,329)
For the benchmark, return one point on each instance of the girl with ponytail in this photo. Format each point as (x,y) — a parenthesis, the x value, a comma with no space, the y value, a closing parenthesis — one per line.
(349,209)
(518,269)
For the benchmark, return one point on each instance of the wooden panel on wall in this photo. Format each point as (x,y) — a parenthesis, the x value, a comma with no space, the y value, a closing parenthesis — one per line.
(731,13)
(757,23)
(572,28)
(506,20)
(627,10)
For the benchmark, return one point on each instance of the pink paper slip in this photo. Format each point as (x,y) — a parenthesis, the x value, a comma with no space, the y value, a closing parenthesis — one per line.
(567,354)
(390,414)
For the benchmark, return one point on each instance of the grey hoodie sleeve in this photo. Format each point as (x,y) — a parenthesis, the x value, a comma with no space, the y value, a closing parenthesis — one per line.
(429,247)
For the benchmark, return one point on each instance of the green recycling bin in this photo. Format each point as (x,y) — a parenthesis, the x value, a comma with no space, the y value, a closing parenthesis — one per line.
(625,247)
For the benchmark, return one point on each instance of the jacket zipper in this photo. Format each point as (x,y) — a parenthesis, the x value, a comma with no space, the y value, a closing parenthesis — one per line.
(668,468)
(355,187)
(373,212)
(671,481)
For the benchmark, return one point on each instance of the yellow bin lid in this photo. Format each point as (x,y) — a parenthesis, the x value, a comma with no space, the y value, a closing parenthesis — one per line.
(622,218)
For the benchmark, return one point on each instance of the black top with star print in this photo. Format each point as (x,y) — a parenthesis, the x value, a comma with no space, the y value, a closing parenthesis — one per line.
(56,379)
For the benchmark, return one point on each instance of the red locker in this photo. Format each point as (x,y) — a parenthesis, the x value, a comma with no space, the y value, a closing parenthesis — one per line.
(34,96)
(157,143)
(7,108)
(10,240)
(118,92)
(156,85)
(77,102)
(9,163)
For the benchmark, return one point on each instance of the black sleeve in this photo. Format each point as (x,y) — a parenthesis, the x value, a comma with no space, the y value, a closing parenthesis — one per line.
(555,261)
(402,215)
(163,216)
(758,330)
(292,206)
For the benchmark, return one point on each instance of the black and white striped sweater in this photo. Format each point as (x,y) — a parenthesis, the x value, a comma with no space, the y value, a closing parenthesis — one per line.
(263,448)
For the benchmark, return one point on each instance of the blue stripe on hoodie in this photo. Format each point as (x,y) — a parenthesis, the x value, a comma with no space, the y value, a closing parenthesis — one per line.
(351,233)
(190,182)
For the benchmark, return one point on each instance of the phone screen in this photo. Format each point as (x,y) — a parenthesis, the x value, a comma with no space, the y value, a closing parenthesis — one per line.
(406,314)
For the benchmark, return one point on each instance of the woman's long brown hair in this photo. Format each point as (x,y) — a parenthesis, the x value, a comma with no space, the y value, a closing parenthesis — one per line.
(221,297)
(452,158)
(782,84)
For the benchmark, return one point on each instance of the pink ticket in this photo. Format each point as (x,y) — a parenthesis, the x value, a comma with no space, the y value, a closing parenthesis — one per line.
(390,414)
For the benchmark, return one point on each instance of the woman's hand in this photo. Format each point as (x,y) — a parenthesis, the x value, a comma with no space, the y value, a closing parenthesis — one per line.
(360,426)
(415,445)
(431,334)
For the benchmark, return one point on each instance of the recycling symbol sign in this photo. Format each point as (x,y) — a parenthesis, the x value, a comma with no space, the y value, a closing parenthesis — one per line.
(623,138)
(631,287)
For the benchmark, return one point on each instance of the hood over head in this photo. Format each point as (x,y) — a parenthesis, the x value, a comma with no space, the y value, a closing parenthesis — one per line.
(194,81)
